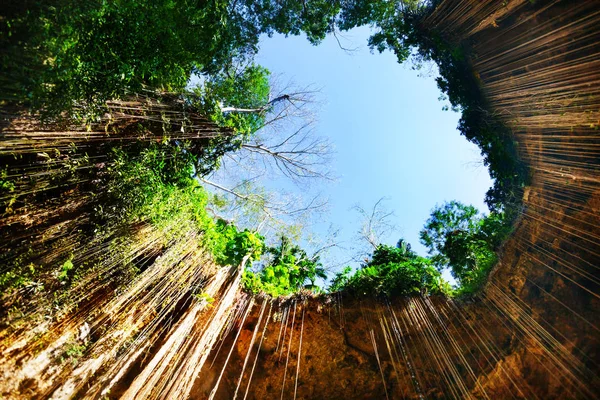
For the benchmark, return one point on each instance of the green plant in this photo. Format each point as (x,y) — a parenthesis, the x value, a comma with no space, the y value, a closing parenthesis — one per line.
(392,271)
(289,270)
(231,246)
(65,268)
(73,351)
(340,280)
(89,52)
(6,185)
(156,186)
(460,238)
(205,299)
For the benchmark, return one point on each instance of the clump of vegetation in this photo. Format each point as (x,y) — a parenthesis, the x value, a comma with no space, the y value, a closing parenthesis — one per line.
(204,299)
(392,271)
(460,238)
(288,270)
(73,351)
(6,186)
(18,277)
(230,246)
(65,268)
(158,187)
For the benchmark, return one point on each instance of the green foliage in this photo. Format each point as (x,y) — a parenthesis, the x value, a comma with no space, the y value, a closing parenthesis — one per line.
(460,238)
(65,268)
(392,271)
(449,225)
(289,270)
(302,267)
(6,185)
(204,298)
(313,17)
(252,283)
(156,186)
(73,351)
(273,280)
(91,51)
(340,280)
(17,277)
(232,246)
(247,89)
(8,196)
(393,29)
(246,94)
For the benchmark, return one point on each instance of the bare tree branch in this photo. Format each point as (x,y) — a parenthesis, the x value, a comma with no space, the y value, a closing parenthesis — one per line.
(347,50)
(376,223)
(259,209)
(285,147)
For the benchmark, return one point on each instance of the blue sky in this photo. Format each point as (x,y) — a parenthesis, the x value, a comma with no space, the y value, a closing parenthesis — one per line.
(391,137)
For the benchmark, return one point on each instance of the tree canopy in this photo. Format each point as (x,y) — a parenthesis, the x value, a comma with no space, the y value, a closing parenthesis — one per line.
(89,52)
(460,238)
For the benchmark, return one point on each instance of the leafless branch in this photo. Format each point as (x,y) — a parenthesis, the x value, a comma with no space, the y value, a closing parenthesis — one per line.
(337,39)
(376,223)
(256,208)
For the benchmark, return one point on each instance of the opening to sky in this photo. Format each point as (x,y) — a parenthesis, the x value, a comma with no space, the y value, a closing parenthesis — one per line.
(392,137)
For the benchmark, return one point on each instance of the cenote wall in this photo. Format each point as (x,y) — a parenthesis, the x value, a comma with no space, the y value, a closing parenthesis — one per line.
(532,332)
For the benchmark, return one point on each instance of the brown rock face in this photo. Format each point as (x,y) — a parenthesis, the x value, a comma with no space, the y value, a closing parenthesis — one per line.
(406,348)
(534,331)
